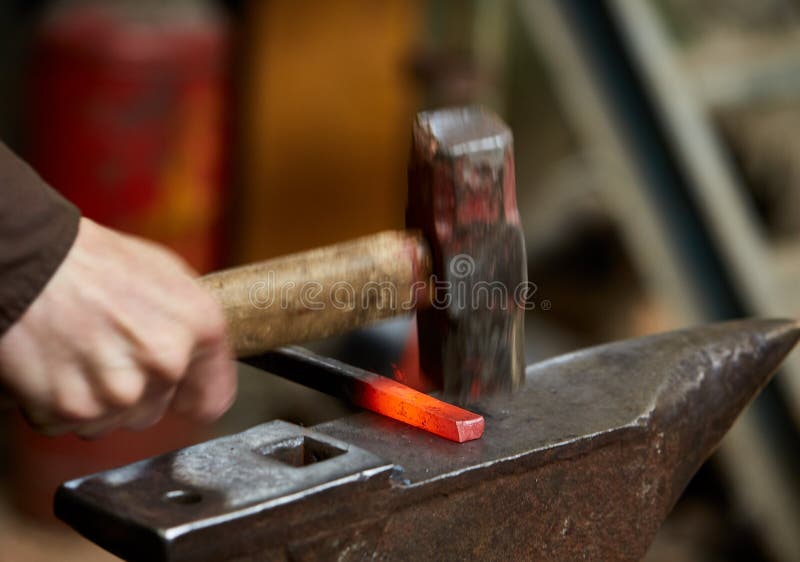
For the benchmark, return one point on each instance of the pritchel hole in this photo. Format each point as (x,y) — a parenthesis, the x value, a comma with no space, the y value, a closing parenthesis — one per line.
(300,451)
(182,497)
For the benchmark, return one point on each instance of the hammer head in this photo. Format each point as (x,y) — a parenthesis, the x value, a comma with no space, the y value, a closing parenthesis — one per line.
(461,195)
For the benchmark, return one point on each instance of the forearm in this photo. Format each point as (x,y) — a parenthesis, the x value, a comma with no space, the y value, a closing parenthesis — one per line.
(37,229)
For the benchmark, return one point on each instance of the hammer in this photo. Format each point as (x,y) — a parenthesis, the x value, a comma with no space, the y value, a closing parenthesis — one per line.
(460,266)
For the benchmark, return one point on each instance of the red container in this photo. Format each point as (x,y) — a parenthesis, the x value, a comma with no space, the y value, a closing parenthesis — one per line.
(125,118)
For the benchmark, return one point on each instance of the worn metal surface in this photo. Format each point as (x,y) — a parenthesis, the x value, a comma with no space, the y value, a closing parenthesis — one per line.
(583,462)
(461,194)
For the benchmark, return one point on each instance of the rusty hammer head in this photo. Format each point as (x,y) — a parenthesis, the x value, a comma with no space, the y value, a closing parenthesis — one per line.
(461,195)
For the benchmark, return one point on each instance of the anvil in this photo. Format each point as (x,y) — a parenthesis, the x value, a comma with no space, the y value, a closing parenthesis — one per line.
(583,462)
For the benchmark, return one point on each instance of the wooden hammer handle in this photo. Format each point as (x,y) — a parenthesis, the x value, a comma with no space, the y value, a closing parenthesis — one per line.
(322,292)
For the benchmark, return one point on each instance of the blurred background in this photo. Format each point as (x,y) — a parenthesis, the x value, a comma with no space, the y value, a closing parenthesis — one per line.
(658,175)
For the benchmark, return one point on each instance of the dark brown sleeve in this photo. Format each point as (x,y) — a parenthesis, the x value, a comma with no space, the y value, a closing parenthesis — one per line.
(37,229)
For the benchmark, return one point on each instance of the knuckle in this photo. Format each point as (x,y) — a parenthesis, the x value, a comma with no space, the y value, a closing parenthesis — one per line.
(125,391)
(92,338)
(68,406)
(170,362)
(168,352)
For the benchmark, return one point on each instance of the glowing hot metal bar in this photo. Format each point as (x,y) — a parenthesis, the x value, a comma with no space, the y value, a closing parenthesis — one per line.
(373,392)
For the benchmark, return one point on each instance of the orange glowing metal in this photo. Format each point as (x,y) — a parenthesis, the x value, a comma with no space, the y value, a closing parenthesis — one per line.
(400,402)
(374,392)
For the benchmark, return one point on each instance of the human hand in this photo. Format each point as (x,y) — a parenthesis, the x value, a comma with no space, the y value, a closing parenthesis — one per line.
(121,333)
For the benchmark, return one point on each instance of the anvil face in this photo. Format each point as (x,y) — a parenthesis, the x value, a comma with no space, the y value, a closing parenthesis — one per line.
(584,462)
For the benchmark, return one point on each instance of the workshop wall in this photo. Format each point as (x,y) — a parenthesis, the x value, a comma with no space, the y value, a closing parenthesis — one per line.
(327,99)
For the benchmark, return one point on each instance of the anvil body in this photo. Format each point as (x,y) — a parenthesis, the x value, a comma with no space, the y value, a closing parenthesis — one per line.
(584,462)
